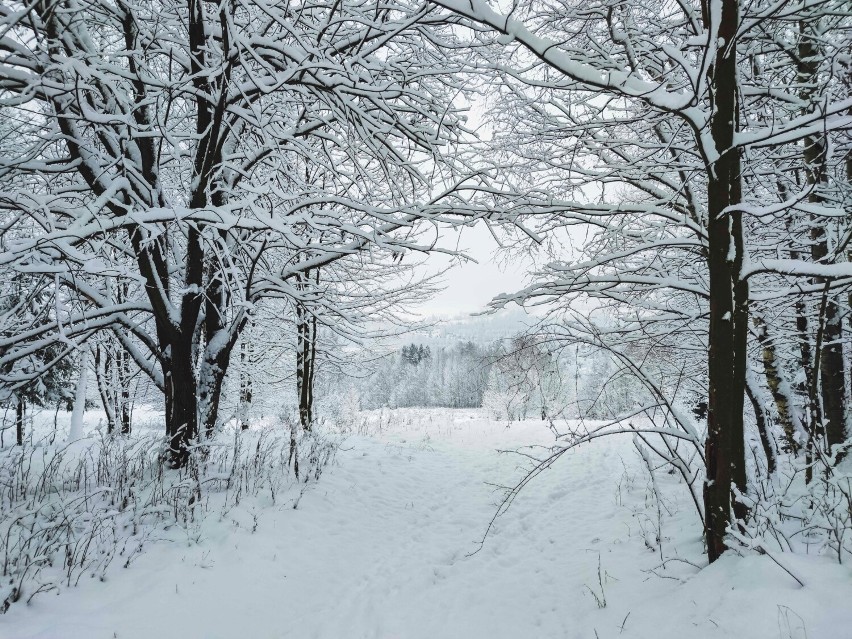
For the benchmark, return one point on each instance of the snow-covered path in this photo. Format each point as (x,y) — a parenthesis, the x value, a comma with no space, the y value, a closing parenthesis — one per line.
(380,548)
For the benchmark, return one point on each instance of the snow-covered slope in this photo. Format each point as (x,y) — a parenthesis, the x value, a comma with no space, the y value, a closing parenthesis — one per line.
(381,547)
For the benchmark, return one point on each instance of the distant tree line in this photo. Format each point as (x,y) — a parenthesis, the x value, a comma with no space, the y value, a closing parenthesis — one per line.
(416,375)
(518,378)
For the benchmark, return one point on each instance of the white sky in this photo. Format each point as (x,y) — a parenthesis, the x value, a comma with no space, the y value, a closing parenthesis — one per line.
(470,286)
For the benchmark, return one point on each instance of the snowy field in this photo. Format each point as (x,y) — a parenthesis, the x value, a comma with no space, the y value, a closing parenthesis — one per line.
(383,546)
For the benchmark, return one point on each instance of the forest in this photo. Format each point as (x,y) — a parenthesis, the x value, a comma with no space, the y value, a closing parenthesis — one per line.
(223,223)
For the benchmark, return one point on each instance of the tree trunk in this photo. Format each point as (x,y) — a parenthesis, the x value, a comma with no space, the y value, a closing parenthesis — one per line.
(728,295)
(76,430)
(849,253)
(103,365)
(182,402)
(193,392)
(811,392)
(294,452)
(304,359)
(217,354)
(20,411)
(124,377)
(245,385)
(211,389)
(306,328)
(121,374)
(777,386)
(312,368)
(806,355)
(741,313)
(809,388)
(182,396)
(831,371)
(766,439)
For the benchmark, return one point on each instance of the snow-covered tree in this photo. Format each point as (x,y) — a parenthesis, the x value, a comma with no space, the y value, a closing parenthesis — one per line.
(658,127)
(212,156)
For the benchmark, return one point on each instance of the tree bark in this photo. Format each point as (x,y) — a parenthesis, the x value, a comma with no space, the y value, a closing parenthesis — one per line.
(809,387)
(306,331)
(20,411)
(182,402)
(124,376)
(849,253)
(304,368)
(766,439)
(245,385)
(831,372)
(777,385)
(217,353)
(728,294)
(103,365)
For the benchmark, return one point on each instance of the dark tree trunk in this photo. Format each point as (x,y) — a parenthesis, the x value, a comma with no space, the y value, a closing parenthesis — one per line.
(245,385)
(193,392)
(210,401)
(304,367)
(294,452)
(182,403)
(809,387)
(849,253)
(312,368)
(831,370)
(103,365)
(20,411)
(124,376)
(831,373)
(306,344)
(741,312)
(766,440)
(811,392)
(217,354)
(180,363)
(728,297)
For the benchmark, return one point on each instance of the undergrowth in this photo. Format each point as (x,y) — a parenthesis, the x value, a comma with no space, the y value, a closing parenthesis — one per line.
(73,510)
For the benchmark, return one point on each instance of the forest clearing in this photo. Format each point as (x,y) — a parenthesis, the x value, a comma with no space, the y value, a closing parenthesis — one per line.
(409,318)
(388,543)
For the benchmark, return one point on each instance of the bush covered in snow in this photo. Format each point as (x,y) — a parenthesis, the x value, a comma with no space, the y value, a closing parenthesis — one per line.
(73,510)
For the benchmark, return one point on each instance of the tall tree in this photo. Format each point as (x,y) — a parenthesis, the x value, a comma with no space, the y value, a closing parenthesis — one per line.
(173,153)
(661,99)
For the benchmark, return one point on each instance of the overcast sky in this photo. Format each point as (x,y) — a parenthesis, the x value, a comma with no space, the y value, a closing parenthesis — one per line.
(470,286)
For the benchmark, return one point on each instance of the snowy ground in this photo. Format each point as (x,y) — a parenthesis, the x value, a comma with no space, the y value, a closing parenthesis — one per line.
(381,548)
